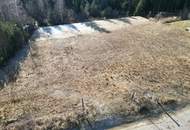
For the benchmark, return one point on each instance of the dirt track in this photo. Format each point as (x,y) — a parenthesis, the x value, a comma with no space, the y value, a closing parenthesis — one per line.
(118,73)
(161,123)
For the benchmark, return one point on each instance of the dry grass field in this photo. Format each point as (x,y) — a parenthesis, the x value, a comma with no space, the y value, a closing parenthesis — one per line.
(124,73)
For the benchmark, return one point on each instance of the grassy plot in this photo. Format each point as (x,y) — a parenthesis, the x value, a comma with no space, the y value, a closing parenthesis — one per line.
(88,78)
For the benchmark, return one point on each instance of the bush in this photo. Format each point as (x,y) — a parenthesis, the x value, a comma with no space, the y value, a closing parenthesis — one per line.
(11,39)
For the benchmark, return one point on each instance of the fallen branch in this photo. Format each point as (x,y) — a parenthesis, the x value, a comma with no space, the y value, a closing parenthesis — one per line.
(168,114)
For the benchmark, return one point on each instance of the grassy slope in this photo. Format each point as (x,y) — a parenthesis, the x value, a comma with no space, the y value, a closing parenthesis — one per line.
(115,73)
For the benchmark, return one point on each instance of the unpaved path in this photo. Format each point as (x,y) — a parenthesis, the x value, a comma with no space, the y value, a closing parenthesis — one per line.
(108,76)
(163,123)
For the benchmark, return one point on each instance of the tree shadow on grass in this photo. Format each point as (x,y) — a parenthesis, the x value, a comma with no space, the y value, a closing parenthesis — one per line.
(10,70)
(54,29)
(69,26)
(96,27)
(47,30)
(124,20)
(111,21)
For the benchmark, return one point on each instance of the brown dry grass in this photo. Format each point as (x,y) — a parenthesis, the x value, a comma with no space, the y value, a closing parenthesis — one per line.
(117,73)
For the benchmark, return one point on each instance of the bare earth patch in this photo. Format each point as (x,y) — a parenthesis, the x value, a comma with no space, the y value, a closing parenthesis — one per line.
(71,82)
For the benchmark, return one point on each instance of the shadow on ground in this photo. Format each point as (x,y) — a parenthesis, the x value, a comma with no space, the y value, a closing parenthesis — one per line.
(117,120)
(72,28)
(124,20)
(10,70)
(96,27)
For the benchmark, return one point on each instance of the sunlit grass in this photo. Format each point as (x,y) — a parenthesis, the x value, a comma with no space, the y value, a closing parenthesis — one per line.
(181,24)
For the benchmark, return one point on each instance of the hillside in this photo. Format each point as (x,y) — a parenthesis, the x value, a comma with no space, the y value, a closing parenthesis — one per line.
(108,76)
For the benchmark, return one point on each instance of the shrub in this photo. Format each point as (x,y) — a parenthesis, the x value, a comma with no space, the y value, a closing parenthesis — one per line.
(11,39)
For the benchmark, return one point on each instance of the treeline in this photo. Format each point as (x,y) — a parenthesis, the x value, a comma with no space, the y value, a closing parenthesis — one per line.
(65,11)
(113,8)
(51,12)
